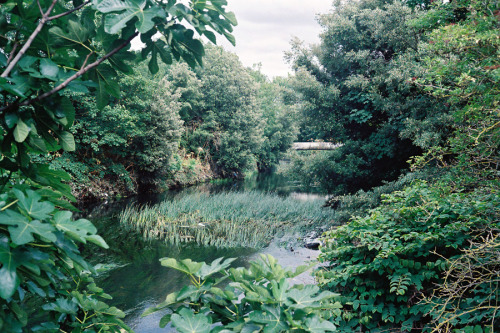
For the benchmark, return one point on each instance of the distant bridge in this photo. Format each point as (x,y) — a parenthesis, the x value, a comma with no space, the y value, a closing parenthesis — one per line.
(315,145)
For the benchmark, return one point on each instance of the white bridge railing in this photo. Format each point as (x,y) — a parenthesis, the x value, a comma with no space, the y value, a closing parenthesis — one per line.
(315,145)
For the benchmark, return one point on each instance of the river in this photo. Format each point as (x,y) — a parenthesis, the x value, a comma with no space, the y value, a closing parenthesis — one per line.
(130,270)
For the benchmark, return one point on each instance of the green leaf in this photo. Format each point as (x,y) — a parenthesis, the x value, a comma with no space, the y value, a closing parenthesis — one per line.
(315,325)
(21,131)
(13,89)
(130,9)
(67,141)
(98,240)
(21,315)
(187,322)
(165,320)
(66,110)
(10,281)
(32,205)
(76,33)
(303,298)
(21,229)
(62,305)
(187,265)
(272,317)
(37,143)
(211,36)
(48,68)
(11,119)
(215,267)
(3,59)
(8,275)
(79,230)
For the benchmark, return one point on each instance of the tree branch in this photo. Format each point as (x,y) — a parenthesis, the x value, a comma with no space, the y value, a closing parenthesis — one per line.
(69,11)
(29,41)
(12,52)
(82,71)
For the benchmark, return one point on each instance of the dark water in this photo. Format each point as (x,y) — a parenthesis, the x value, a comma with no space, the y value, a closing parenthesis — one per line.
(131,272)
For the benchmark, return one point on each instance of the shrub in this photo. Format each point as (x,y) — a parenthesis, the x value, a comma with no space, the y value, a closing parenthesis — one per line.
(258,298)
(384,263)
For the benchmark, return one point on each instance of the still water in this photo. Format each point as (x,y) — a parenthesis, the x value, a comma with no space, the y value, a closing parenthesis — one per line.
(130,270)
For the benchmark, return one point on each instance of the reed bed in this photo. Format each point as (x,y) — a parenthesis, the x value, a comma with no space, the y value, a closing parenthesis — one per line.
(249,219)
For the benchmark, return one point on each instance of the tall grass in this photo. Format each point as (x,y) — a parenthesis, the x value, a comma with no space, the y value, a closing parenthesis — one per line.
(249,219)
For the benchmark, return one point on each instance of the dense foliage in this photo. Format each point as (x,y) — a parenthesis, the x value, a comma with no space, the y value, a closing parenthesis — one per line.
(49,49)
(383,263)
(391,82)
(259,298)
(426,258)
(357,82)
(178,127)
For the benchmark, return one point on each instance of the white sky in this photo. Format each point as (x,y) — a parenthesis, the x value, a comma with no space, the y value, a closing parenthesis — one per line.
(265,28)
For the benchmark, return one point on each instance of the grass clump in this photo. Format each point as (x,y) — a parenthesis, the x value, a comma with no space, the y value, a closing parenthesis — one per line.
(249,219)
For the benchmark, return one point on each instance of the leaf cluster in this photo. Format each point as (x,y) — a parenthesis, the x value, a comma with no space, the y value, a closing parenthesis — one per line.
(257,299)
(383,263)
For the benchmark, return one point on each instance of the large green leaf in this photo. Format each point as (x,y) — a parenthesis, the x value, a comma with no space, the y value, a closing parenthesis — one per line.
(62,305)
(279,289)
(48,68)
(187,322)
(21,229)
(21,131)
(129,9)
(79,230)
(315,325)
(67,141)
(216,266)
(272,317)
(32,205)
(75,33)
(9,281)
(187,265)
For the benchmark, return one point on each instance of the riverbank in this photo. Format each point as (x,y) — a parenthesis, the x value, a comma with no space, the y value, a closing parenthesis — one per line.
(93,188)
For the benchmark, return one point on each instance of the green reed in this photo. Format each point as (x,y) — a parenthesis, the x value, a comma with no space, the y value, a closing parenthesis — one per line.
(229,219)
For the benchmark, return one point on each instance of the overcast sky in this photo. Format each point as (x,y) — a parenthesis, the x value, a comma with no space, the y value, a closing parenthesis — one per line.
(265,28)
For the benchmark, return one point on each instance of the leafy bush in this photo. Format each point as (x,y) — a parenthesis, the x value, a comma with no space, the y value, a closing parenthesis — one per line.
(48,50)
(260,298)
(383,264)
(43,275)
(468,300)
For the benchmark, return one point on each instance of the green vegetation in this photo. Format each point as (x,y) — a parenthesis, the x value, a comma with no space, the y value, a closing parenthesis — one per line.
(410,89)
(227,219)
(259,298)
(394,82)
(425,258)
(173,128)
(383,263)
(49,51)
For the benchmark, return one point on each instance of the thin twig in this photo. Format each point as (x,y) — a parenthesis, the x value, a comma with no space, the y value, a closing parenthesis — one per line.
(12,52)
(40,7)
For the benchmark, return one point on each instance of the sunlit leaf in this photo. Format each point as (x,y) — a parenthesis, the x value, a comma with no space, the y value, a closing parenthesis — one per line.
(21,229)
(187,322)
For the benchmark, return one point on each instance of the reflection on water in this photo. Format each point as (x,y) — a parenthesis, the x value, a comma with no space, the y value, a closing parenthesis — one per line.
(138,281)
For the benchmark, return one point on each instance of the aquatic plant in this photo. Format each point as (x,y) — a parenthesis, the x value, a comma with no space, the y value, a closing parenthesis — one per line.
(249,219)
